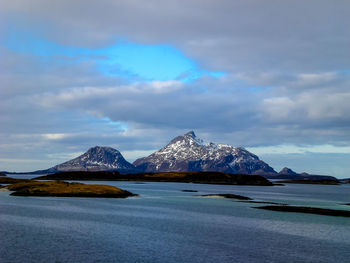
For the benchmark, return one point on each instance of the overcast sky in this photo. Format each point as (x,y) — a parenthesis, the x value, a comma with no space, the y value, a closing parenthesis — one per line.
(272,76)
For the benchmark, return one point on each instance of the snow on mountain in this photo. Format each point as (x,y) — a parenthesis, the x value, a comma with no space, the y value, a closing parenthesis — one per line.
(189,153)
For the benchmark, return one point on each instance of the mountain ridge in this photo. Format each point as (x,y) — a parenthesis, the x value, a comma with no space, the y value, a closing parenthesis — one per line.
(190,153)
(183,153)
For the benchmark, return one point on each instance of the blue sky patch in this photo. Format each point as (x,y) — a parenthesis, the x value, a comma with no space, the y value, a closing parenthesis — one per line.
(126,59)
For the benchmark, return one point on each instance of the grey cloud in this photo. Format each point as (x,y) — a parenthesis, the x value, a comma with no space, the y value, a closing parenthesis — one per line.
(295,54)
(293,110)
(222,35)
(249,118)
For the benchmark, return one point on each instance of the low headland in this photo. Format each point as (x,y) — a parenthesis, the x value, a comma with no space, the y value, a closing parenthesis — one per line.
(345,180)
(324,182)
(263,202)
(9,180)
(305,209)
(183,177)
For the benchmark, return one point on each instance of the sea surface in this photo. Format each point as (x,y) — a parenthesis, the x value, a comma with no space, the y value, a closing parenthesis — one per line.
(165,224)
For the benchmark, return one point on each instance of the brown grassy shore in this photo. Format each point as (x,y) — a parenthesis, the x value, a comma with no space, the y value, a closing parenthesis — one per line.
(9,180)
(64,189)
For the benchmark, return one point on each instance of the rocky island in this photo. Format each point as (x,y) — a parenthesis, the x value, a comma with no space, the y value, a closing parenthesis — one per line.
(229,196)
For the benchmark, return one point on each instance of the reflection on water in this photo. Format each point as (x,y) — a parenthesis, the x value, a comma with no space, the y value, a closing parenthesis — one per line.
(167,225)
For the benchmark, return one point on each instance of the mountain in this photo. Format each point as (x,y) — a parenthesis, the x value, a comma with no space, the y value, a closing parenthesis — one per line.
(95,159)
(287,173)
(189,153)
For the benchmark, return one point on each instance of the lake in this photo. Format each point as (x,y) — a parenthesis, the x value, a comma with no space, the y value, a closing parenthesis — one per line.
(165,224)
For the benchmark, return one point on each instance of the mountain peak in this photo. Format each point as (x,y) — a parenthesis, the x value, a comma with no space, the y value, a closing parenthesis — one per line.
(103,149)
(287,171)
(97,147)
(190,134)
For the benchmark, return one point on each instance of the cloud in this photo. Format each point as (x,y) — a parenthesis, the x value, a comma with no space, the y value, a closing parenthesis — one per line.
(313,106)
(252,117)
(225,35)
(248,73)
(124,59)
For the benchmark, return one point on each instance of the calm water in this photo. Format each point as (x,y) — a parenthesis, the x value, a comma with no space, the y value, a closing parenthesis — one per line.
(167,225)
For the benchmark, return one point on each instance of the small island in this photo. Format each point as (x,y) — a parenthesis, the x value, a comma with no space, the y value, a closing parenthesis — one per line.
(305,209)
(65,189)
(263,202)
(230,196)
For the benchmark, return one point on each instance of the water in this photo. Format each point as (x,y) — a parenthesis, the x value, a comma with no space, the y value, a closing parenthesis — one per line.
(167,225)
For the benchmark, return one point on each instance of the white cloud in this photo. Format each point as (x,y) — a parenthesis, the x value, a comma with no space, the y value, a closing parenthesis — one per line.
(320,105)
(295,149)
(54,136)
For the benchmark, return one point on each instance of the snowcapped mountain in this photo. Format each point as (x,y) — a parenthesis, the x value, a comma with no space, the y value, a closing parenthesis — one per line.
(189,153)
(95,159)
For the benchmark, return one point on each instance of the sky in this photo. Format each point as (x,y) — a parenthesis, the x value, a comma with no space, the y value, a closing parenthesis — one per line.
(271,76)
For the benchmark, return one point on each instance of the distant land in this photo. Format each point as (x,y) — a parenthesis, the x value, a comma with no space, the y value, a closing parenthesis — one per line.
(311,181)
(183,177)
(345,180)
(184,153)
